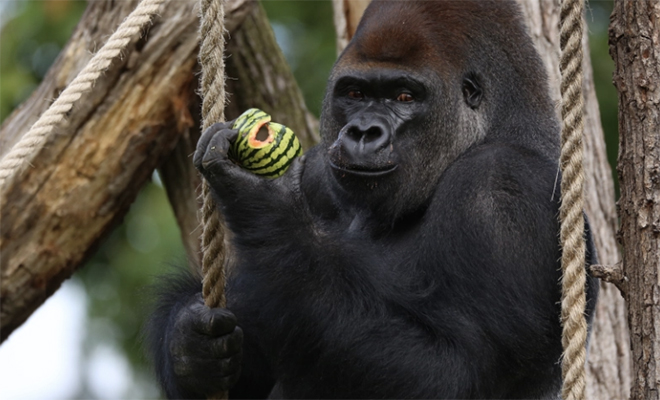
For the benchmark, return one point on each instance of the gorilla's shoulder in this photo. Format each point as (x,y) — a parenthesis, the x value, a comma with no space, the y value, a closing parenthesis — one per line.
(501,180)
(504,166)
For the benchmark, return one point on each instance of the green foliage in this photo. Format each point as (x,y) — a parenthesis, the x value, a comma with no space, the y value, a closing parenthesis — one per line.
(306,34)
(30,41)
(598,18)
(117,278)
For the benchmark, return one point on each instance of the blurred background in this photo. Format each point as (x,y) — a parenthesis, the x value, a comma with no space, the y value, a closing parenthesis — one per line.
(83,343)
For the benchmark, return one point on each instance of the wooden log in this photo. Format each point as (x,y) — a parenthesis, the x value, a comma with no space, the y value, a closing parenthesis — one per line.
(347,15)
(89,172)
(85,178)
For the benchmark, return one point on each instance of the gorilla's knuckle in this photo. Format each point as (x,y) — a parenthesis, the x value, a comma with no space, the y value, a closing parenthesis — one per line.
(211,162)
(183,366)
(225,347)
(229,381)
(238,334)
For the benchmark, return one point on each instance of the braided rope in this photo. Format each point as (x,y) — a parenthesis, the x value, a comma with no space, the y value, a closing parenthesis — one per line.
(20,156)
(574,336)
(211,55)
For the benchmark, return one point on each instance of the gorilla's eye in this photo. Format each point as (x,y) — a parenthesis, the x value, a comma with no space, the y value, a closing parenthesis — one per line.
(355,94)
(405,98)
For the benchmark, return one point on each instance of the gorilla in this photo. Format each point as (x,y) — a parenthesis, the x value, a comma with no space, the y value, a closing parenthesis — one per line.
(414,252)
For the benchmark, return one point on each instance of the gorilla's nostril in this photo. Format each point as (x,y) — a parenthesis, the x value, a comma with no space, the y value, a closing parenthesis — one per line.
(354,133)
(373,134)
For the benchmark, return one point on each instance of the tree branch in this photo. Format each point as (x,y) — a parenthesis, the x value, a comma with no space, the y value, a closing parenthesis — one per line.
(83,182)
(612,274)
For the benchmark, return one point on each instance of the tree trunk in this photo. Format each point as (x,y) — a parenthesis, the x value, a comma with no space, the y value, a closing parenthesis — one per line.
(635,48)
(347,14)
(609,362)
(86,177)
(608,369)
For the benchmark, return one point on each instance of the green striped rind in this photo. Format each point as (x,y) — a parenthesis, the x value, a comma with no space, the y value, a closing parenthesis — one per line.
(273,161)
(244,124)
(270,161)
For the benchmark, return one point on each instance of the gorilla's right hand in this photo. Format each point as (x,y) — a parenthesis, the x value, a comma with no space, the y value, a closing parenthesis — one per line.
(205,348)
(244,197)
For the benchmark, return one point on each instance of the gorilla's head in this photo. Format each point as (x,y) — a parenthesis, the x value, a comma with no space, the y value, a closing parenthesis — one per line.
(420,84)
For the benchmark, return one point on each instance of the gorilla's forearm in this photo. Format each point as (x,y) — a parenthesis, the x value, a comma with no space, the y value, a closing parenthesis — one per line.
(173,292)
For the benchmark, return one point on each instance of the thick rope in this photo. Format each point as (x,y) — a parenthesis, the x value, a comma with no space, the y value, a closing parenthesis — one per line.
(14,163)
(211,58)
(211,55)
(574,336)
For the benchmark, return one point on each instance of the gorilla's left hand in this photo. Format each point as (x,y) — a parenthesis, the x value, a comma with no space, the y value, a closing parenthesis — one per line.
(206,350)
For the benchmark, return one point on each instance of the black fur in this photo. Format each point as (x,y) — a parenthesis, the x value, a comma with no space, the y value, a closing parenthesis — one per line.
(172,294)
(415,252)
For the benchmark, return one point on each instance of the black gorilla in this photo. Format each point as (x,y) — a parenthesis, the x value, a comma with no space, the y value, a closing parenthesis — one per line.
(414,252)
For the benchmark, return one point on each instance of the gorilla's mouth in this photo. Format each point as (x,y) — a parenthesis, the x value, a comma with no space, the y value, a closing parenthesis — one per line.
(365,171)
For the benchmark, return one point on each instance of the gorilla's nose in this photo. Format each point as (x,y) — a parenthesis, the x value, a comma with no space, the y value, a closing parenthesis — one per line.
(366,139)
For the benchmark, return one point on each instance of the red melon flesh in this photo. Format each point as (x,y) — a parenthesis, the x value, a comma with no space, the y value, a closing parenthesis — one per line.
(261,135)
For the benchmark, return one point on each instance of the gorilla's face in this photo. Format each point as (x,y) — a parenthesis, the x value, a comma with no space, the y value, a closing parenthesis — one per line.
(375,108)
(390,132)
(379,139)
(402,104)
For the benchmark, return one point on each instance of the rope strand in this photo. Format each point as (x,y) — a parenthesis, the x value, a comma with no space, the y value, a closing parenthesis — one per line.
(574,336)
(14,163)
(211,58)
(211,55)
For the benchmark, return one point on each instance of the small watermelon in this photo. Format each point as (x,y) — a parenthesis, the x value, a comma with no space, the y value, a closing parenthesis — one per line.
(263,147)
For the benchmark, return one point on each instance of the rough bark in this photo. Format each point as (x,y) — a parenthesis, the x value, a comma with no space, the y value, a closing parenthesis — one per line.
(347,14)
(86,177)
(608,369)
(89,172)
(635,48)
(259,76)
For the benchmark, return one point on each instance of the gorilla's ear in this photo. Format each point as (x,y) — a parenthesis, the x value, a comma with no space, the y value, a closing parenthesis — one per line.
(472,91)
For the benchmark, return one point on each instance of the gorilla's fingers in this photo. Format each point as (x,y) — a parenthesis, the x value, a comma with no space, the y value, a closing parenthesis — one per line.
(208,143)
(206,137)
(216,322)
(230,344)
(213,375)
(216,152)
(209,321)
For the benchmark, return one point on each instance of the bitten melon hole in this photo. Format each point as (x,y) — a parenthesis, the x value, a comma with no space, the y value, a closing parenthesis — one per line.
(262,134)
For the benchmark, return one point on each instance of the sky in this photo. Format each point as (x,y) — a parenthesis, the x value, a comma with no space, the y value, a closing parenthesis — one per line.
(43,359)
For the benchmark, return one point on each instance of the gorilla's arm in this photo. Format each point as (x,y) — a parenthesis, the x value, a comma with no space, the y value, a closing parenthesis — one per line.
(250,203)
